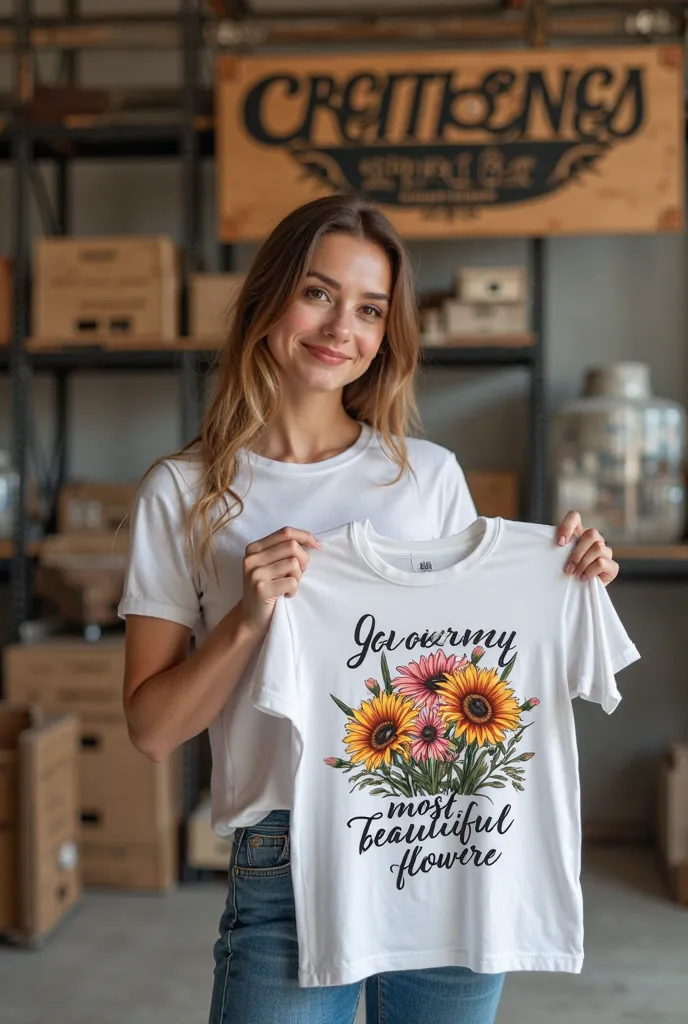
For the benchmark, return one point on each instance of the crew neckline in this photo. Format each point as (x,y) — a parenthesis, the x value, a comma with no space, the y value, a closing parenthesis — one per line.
(300,468)
(369,543)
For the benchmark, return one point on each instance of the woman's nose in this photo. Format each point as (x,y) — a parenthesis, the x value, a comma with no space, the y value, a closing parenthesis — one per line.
(338,326)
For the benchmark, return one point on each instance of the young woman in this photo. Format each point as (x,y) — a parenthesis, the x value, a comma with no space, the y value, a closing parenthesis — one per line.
(307,430)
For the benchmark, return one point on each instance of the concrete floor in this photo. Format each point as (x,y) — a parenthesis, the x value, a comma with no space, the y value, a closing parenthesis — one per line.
(124,959)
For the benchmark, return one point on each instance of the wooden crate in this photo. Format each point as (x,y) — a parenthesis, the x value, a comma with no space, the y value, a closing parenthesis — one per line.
(115,289)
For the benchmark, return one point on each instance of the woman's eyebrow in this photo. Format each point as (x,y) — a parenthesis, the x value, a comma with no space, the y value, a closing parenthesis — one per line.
(335,284)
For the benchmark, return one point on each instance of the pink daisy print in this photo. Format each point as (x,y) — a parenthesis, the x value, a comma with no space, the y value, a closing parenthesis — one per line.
(426,737)
(420,679)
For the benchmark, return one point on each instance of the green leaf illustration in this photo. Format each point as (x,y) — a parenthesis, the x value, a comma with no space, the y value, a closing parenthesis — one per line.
(494,784)
(507,668)
(386,677)
(342,706)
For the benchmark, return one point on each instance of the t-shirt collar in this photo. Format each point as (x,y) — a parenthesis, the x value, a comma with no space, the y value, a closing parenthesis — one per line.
(370,546)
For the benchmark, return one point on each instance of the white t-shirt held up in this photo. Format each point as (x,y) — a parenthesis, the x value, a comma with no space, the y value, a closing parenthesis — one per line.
(436,812)
(251,757)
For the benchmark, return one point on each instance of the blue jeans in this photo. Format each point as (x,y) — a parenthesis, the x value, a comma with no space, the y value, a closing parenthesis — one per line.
(256,957)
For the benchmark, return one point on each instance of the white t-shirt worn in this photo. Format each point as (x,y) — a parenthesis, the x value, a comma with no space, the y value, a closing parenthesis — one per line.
(251,754)
(436,813)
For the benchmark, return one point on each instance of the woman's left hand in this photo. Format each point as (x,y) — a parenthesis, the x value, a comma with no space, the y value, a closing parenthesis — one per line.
(591,556)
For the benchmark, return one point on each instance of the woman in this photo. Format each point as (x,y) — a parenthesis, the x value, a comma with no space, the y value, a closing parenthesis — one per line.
(307,430)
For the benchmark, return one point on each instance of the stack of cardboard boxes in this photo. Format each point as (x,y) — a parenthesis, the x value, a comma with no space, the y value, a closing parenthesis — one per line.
(489,303)
(128,805)
(106,290)
(120,291)
(40,876)
(81,569)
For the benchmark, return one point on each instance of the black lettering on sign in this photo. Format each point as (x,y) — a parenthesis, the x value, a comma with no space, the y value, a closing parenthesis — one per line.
(403,137)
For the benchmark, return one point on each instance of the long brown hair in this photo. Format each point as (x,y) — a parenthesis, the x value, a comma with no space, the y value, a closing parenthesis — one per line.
(247,394)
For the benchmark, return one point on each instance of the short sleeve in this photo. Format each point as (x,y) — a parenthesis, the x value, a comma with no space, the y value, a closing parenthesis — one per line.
(596,644)
(273,682)
(459,509)
(159,581)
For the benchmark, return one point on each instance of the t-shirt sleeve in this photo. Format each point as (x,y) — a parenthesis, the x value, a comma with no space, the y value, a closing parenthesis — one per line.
(159,581)
(273,682)
(459,509)
(596,644)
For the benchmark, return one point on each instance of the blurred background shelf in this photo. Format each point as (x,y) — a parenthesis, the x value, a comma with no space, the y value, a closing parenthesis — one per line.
(6,548)
(652,561)
(59,355)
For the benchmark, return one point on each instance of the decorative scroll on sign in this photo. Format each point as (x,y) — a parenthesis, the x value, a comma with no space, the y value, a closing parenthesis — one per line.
(457,143)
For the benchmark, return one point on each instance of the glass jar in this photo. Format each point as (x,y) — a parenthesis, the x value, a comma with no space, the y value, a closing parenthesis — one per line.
(619,458)
(9,486)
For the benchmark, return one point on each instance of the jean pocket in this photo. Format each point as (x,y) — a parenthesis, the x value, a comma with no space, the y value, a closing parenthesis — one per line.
(262,853)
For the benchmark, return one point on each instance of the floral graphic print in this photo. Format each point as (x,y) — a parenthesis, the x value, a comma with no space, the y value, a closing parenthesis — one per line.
(442,724)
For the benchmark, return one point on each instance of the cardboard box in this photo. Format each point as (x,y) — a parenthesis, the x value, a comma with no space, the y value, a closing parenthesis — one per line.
(8,788)
(9,888)
(470,319)
(491,284)
(205,849)
(91,507)
(148,865)
(86,289)
(6,301)
(494,493)
(124,796)
(211,302)
(82,576)
(673,820)
(40,876)
(68,675)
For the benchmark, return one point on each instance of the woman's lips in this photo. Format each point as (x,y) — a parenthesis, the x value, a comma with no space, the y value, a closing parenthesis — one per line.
(327,355)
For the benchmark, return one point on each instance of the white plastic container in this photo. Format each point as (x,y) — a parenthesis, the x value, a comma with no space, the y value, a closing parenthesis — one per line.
(619,456)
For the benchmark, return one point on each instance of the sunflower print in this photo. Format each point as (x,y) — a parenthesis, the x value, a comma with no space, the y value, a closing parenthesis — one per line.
(380,728)
(480,705)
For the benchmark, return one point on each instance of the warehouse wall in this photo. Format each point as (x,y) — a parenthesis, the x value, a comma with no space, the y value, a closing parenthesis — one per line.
(606,298)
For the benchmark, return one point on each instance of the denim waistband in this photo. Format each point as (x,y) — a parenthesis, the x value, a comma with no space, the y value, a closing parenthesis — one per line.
(276,820)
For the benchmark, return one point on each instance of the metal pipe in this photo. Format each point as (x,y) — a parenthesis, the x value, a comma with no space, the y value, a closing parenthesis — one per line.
(191,203)
(294,28)
(20,366)
(537,408)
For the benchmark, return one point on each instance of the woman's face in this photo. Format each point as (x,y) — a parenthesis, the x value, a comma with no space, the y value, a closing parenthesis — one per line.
(331,332)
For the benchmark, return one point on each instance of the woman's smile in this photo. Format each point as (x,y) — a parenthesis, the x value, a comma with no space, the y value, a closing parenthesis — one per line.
(326,355)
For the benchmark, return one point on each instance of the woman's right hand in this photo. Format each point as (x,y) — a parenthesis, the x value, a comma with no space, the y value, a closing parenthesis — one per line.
(273,567)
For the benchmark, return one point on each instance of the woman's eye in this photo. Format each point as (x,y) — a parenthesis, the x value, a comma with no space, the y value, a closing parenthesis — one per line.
(314,292)
(372,311)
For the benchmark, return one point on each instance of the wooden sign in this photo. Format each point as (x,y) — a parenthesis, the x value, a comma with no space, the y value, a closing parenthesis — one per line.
(540,142)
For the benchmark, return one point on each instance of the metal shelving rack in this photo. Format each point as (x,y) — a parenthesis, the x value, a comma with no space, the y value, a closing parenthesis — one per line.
(190,138)
(23,142)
